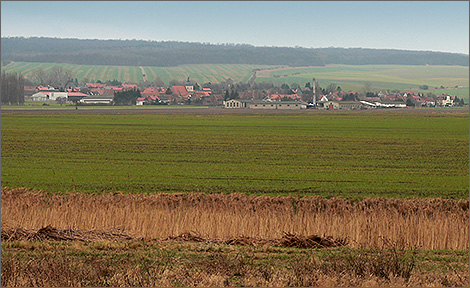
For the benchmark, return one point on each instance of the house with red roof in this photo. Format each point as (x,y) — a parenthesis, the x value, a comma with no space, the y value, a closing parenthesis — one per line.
(141,101)
(337,95)
(45,88)
(95,85)
(217,100)
(179,91)
(150,91)
(129,86)
(284,97)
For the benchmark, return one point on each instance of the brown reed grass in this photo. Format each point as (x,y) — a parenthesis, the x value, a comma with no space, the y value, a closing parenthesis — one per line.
(427,224)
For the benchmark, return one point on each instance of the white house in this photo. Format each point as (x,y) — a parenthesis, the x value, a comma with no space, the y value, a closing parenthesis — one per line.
(39,97)
(446,100)
(56,95)
(52,96)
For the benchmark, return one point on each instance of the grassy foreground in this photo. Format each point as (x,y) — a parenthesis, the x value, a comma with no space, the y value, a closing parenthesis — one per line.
(354,155)
(175,264)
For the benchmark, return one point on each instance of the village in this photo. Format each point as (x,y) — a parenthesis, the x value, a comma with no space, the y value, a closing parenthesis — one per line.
(231,95)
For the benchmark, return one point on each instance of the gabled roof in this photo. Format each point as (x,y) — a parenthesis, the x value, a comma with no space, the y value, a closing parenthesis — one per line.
(179,90)
(45,88)
(42,92)
(324,98)
(151,90)
(97,85)
(129,86)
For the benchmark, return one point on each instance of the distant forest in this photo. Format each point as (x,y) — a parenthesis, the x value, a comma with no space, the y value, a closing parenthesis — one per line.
(153,53)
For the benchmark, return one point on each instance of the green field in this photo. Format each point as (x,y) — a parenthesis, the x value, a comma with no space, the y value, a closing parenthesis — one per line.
(392,154)
(202,73)
(349,77)
(352,77)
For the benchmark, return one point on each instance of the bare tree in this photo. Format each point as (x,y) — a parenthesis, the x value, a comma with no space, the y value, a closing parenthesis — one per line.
(58,76)
(40,76)
(12,91)
(367,87)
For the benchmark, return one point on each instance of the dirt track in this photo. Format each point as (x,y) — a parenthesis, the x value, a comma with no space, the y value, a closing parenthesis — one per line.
(214,110)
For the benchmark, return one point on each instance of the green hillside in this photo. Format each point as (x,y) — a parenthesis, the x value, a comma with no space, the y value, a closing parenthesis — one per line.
(352,77)
(349,77)
(201,73)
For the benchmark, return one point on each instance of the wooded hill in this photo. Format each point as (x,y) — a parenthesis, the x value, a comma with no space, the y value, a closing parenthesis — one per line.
(152,53)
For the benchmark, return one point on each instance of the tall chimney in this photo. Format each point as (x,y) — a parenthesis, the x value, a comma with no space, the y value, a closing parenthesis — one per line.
(314,102)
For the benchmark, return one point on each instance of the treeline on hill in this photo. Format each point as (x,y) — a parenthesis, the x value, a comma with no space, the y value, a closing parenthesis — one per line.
(170,53)
(12,89)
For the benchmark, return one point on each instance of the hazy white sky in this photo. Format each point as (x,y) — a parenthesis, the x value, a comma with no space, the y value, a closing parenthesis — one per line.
(411,25)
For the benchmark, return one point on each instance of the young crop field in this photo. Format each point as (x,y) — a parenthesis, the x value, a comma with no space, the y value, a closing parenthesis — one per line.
(331,154)
(352,77)
(201,73)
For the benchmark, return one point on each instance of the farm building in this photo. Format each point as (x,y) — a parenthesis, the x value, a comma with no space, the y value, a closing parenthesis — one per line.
(45,96)
(330,105)
(76,96)
(97,100)
(384,104)
(39,97)
(281,105)
(258,104)
(233,103)
(351,105)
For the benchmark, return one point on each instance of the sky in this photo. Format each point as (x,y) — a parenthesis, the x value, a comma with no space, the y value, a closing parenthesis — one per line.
(406,25)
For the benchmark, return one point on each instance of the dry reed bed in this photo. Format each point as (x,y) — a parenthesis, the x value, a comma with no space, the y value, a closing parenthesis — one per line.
(414,223)
(50,233)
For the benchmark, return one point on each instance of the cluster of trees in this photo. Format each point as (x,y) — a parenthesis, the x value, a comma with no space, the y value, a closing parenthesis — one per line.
(232,94)
(458,101)
(12,89)
(57,76)
(128,97)
(350,97)
(171,53)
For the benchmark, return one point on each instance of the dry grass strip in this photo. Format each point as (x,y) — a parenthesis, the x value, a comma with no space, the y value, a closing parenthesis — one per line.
(50,233)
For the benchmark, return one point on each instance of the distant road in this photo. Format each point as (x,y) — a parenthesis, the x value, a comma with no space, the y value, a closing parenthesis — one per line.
(143,73)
